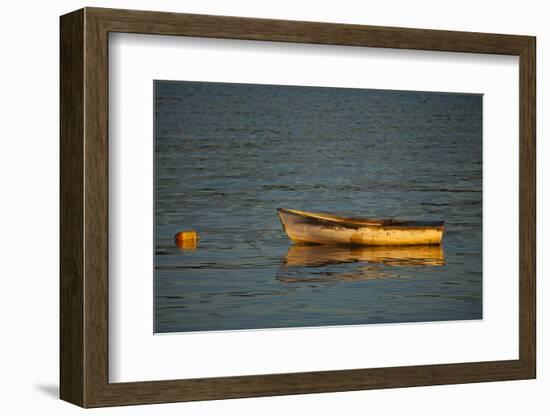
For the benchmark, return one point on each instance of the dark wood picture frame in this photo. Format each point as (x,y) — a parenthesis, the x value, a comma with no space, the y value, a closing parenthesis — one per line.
(84,207)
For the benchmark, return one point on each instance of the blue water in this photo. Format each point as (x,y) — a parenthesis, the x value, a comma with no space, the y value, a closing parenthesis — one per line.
(228,155)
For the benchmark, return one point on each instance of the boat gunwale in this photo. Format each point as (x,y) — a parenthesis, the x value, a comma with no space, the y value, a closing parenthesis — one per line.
(348,222)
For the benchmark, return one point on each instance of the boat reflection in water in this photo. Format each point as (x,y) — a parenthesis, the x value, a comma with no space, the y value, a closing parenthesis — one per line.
(309,263)
(320,255)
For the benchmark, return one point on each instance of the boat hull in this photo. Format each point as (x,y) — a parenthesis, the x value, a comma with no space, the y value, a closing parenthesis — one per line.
(309,228)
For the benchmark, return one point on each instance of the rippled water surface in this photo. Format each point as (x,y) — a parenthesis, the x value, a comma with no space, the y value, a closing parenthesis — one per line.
(228,155)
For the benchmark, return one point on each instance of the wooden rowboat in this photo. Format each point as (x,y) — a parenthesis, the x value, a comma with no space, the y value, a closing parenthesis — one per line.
(319,228)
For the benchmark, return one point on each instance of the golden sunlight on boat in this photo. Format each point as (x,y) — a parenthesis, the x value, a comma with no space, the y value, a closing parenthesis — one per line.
(320,228)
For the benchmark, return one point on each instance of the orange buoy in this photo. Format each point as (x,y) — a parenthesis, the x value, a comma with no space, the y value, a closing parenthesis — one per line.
(187,239)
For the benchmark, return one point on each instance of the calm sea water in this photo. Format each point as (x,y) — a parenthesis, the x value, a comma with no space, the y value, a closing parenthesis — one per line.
(228,155)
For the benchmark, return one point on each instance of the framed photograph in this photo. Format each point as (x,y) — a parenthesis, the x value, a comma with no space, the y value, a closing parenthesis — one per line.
(255,207)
